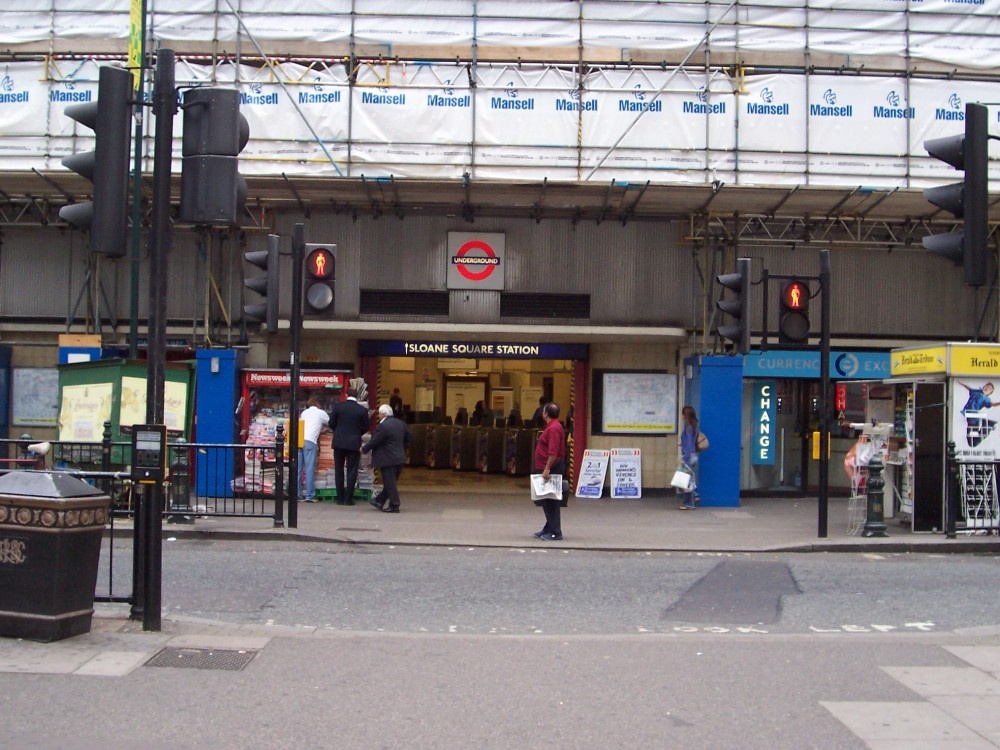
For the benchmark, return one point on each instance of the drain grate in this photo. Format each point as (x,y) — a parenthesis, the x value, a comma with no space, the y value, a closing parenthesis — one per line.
(349,528)
(201,658)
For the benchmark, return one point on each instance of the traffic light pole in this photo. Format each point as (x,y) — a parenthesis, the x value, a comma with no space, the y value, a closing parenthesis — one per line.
(824,412)
(164,108)
(298,254)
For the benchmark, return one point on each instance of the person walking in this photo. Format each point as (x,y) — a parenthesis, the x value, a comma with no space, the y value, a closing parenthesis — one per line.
(689,456)
(550,458)
(349,421)
(388,448)
(314,420)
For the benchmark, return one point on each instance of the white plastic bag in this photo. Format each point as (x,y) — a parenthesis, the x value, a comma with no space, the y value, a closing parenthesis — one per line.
(681,480)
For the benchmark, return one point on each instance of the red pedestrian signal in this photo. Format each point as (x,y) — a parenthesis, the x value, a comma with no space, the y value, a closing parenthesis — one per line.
(795,296)
(320,277)
(793,312)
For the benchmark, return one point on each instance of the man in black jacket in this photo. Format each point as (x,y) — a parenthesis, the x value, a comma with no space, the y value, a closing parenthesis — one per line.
(388,449)
(349,421)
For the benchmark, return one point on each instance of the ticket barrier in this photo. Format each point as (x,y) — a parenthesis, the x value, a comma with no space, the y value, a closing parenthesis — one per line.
(416,454)
(438,453)
(463,448)
(489,448)
(518,446)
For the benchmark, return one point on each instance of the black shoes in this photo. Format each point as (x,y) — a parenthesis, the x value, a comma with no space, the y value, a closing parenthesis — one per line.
(391,509)
(539,534)
(375,504)
(550,537)
(345,502)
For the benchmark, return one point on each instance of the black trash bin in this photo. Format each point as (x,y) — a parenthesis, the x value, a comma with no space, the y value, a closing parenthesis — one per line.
(51,525)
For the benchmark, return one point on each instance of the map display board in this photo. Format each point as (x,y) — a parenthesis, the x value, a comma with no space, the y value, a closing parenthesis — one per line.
(634,402)
(35,396)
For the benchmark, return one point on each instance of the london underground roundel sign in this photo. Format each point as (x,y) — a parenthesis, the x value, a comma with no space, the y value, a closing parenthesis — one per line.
(473,265)
(476,260)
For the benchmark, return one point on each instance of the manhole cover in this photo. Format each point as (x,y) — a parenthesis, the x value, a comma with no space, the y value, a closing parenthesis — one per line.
(201,658)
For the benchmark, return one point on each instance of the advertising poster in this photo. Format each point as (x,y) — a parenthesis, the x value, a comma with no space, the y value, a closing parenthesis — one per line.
(593,470)
(974,417)
(626,473)
(84,410)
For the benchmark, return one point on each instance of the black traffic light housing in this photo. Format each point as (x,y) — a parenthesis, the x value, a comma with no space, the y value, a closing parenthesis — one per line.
(213,192)
(737,306)
(967,200)
(107,166)
(793,312)
(320,276)
(267,286)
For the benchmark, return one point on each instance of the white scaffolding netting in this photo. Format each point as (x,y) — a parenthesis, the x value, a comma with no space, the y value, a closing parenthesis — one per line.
(688,122)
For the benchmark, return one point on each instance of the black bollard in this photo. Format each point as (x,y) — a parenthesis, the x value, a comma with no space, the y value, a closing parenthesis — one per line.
(875,518)
(951,492)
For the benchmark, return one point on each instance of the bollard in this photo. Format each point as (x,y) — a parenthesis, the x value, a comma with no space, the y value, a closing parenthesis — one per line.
(875,517)
(951,492)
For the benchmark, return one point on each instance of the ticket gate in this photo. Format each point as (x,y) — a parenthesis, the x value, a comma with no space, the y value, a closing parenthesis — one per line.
(463,448)
(416,453)
(518,446)
(438,452)
(489,449)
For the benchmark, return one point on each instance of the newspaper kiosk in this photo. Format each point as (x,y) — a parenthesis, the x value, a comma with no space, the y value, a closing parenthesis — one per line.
(950,398)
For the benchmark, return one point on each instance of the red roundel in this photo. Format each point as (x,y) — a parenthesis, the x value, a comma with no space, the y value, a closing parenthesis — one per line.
(465,263)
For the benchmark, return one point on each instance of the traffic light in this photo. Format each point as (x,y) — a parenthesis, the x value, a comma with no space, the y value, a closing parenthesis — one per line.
(738,306)
(793,312)
(320,277)
(266,286)
(967,200)
(106,216)
(213,192)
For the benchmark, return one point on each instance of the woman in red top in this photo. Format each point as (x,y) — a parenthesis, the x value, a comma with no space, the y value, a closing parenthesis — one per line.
(550,458)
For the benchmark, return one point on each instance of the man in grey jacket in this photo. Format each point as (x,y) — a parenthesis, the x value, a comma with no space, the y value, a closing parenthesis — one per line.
(388,449)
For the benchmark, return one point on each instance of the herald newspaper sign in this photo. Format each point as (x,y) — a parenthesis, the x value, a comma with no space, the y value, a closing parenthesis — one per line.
(476,260)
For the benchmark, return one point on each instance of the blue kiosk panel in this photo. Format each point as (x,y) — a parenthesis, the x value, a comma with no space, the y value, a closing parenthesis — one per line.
(216,393)
(714,388)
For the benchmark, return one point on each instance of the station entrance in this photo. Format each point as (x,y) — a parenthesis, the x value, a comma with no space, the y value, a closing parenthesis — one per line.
(474,419)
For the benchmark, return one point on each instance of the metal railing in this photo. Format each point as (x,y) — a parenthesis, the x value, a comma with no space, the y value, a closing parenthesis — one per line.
(204,480)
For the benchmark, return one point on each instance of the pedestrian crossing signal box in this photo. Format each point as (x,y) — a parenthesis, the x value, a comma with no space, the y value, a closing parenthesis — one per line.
(149,453)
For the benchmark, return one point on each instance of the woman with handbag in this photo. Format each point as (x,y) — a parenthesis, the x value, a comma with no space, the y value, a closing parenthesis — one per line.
(689,457)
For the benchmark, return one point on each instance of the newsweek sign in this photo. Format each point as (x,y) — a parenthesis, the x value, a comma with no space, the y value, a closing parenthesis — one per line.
(475,260)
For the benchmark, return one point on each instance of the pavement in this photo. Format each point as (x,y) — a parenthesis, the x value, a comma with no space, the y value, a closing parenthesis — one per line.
(491,517)
(117,647)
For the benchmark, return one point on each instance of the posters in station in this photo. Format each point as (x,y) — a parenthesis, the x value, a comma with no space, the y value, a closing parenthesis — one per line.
(593,471)
(502,401)
(626,473)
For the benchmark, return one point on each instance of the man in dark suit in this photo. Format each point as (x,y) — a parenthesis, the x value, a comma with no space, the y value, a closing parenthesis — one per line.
(349,421)
(388,449)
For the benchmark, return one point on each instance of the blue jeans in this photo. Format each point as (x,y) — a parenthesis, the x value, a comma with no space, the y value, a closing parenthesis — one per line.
(309,452)
(691,497)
